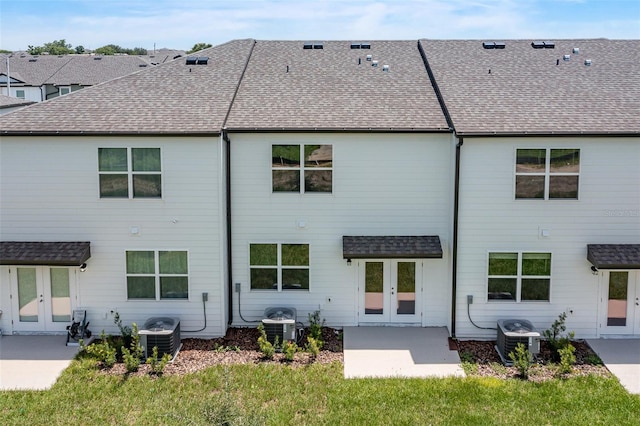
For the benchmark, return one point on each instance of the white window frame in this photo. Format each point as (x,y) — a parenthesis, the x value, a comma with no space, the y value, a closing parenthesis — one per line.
(157,275)
(64,90)
(130,173)
(547,174)
(279,267)
(519,276)
(302,169)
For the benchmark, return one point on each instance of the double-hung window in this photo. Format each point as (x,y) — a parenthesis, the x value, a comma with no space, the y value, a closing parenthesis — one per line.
(547,173)
(302,168)
(130,172)
(280,267)
(519,277)
(157,275)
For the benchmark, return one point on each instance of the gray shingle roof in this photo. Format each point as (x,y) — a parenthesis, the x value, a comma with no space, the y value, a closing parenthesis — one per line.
(520,89)
(288,87)
(397,247)
(68,253)
(168,98)
(9,102)
(88,70)
(614,256)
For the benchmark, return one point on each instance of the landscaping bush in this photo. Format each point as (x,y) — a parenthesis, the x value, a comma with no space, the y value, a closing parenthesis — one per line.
(522,360)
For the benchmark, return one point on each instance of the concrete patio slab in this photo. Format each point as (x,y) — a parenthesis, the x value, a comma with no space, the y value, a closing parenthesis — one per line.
(33,362)
(622,358)
(399,352)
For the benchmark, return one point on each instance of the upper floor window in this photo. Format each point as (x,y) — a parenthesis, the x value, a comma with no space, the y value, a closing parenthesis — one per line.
(20,94)
(519,277)
(302,168)
(279,266)
(64,90)
(157,275)
(547,173)
(129,172)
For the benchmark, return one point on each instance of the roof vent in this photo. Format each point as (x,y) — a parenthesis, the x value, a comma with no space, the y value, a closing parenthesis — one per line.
(587,62)
(97,58)
(203,60)
(576,50)
(549,45)
(32,60)
(318,46)
(308,46)
(365,46)
(493,45)
(142,65)
(191,60)
(385,68)
(355,45)
(314,45)
(566,57)
(537,44)
(369,57)
(374,63)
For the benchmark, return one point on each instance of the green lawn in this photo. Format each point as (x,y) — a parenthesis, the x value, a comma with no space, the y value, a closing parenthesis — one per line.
(317,394)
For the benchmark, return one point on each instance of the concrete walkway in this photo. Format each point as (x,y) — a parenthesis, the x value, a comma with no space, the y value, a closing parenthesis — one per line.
(33,362)
(399,352)
(622,358)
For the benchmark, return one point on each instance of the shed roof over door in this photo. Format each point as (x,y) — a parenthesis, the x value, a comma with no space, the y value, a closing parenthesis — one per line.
(614,256)
(65,253)
(391,247)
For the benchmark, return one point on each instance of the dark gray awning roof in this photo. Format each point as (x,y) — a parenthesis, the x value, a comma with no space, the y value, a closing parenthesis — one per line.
(391,247)
(614,256)
(67,253)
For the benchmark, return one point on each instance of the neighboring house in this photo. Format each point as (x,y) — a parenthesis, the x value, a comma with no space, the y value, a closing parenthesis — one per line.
(131,186)
(42,77)
(549,185)
(341,185)
(382,182)
(9,104)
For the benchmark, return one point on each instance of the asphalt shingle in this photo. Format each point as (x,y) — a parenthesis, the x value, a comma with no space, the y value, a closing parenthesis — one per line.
(66,253)
(397,247)
(614,256)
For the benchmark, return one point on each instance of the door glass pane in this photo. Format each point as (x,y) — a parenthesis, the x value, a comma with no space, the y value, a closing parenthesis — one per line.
(60,297)
(617,304)
(27,295)
(406,288)
(373,285)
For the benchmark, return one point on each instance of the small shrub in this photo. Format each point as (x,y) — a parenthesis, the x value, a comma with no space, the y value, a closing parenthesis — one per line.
(313,347)
(466,356)
(125,331)
(266,347)
(521,360)
(567,358)
(289,350)
(593,359)
(131,356)
(555,338)
(315,327)
(158,365)
(102,351)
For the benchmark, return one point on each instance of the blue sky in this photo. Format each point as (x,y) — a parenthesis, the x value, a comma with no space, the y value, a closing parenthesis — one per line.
(182,23)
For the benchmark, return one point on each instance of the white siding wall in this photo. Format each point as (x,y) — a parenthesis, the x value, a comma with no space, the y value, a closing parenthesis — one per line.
(50,192)
(30,93)
(608,211)
(383,184)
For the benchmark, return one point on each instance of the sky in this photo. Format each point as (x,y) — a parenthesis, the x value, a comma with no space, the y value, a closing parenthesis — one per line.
(179,24)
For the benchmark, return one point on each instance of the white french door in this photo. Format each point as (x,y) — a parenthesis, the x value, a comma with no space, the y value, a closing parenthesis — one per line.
(389,290)
(620,303)
(42,297)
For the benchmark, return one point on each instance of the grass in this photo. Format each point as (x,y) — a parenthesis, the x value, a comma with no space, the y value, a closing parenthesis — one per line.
(317,394)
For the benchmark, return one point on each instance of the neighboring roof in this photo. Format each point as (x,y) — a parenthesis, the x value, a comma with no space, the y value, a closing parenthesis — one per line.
(396,247)
(287,87)
(11,102)
(521,90)
(34,70)
(66,253)
(172,98)
(614,256)
(87,70)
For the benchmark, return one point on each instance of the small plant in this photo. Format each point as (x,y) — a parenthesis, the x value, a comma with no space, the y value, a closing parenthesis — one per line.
(593,359)
(222,348)
(567,358)
(466,356)
(521,360)
(313,347)
(289,350)
(267,348)
(555,337)
(158,365)
(131,356)
(102,351)
(315,327)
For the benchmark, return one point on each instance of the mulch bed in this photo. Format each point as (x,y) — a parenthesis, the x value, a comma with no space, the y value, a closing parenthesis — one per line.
(238,346)
(484,361)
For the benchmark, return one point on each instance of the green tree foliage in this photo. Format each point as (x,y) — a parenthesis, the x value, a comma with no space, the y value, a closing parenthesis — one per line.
(112,49)
(199,46)
(80,50)
(56,47)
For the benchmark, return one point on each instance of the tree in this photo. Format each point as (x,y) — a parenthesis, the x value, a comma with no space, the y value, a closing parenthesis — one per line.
(80,49)
(112,49)
(199,46)
(56,47)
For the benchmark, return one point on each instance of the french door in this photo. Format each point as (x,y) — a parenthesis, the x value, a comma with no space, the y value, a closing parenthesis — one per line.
(389,290)
(620,303)
(42,298)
